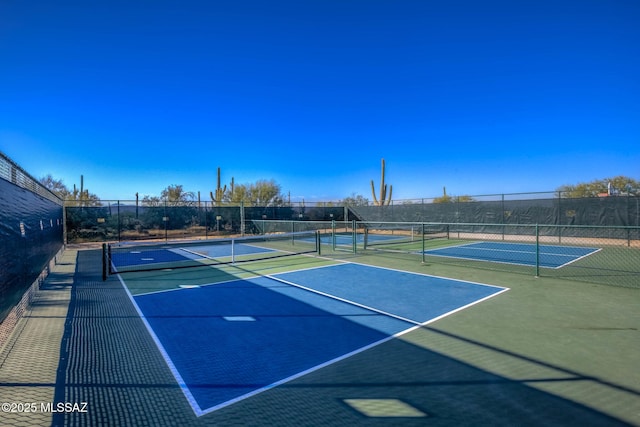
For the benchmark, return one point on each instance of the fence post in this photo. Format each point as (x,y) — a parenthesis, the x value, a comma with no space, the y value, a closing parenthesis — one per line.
(333,235)
(423,259)
(354,235)
(502,216)
(560,217)
(242,219)
(119,225)
(537,251)
(206,224)
(165,219)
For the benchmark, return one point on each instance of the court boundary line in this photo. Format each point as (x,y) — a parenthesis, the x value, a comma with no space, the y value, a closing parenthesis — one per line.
(305,372)
(285,253)
(416,325)
(198,411)
(425,274)
(163,352)
(592,250)
(346,301)
(255,275)
(429,252)
(583,256)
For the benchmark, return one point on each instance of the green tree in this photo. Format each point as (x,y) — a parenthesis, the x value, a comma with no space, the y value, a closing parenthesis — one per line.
(176,195)
(56,186)
(151,201)
(175,209)
(355,200)
(619,185)
(79,196)
(260,193)
(266,193)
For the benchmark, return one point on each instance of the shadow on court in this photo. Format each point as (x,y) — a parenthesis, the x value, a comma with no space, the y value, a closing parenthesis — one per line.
(109,360)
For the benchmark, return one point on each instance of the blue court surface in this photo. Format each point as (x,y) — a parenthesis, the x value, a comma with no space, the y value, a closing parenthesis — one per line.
(175,254)
(549,256)
(228,341)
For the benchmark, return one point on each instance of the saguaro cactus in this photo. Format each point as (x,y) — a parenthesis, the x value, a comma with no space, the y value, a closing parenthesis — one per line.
(219,191)
(384,200)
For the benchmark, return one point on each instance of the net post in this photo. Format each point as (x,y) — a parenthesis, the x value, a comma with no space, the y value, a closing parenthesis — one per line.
(109,258)
(318,243)
(104,262)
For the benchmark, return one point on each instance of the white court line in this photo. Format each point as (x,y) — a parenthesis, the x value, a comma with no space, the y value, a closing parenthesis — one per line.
(253,276)
(415,325)
(172,367)
(433,252)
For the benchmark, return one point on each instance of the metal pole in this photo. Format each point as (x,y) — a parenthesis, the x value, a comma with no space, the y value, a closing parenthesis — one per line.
(333,235)
(354,235)
(423,248)
(166,220)
(242,220)
(104,262)
(503,228)
(206,225)
(559,217)
(537,251)
(118,220)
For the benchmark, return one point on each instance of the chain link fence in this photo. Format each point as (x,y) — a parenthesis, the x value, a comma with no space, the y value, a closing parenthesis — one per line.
(606,255)
(546,222)
(522,208)
(127,220)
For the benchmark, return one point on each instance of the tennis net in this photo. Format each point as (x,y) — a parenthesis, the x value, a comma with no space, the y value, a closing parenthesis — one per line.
(126,257)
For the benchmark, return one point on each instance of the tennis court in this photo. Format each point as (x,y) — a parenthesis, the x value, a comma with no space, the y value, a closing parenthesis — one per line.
(227,337)
(547,256)
(344,339)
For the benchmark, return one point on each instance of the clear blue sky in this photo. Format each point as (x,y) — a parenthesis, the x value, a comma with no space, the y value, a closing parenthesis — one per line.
(482,97)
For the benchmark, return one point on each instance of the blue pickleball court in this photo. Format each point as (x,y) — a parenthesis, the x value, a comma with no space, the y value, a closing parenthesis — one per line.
(228,341)
(176,256)
(550,256)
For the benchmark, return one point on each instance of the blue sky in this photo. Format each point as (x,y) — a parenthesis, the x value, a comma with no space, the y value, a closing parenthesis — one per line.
(482,97)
